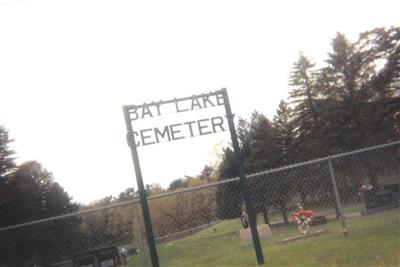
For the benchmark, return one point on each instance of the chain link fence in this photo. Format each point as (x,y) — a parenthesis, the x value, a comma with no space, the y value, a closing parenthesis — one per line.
(103,236)
(355,194)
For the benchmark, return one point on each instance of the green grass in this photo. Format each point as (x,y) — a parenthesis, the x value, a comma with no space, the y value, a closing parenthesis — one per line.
(373,241)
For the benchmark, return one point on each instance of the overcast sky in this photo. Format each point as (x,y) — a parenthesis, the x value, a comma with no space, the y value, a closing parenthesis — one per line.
(68,67)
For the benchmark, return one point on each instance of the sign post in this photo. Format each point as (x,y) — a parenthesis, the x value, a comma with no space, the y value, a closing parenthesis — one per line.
(177,131)
(142,193)
(243,183)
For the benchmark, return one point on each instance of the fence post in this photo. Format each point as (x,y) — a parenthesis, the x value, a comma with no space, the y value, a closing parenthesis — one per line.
(243,182)
(139,236)
(337,197)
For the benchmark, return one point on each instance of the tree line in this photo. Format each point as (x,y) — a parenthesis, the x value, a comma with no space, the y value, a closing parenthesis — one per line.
(346,104)
(28,192)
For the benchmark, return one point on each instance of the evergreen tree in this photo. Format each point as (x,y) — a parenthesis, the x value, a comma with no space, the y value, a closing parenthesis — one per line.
(7,165)
(228,195)
(7,157)
(303,93)
(35,195)
(263,139)
(303,98)
(285,130)
(360,95)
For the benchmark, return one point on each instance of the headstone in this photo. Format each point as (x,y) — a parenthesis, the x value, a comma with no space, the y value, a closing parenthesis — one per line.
(378,198)
(318,220)
(262,229)
(101,257)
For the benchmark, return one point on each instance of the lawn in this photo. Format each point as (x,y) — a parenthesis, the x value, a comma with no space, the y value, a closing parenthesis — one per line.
(373,240)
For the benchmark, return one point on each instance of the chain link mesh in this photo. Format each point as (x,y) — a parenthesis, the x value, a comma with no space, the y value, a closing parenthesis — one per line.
(105,234)
(203,225)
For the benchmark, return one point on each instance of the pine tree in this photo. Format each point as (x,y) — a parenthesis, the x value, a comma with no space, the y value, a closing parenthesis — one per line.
(7,155)
(264,150)
(285,131)
(303,93)
(228,197)
(360,87)
(303,98)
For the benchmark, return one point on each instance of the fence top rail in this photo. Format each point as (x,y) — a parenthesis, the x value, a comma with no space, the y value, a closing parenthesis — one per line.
(336,156)
(190,189)
(195,188)
(77,213)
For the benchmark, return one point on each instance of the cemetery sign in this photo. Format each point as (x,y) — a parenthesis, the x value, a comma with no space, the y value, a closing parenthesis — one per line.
(182,130)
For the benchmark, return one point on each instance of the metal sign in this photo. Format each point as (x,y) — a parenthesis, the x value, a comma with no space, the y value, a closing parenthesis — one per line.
(182,130)
(178,130)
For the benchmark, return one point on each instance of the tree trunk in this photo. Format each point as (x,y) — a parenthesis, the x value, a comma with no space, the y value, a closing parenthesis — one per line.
(336,209)
(284,214)
(303,196)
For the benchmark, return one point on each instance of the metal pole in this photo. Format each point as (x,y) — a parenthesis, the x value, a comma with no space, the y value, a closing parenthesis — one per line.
(337,197)
(139,236)
(142,193)
(243,182)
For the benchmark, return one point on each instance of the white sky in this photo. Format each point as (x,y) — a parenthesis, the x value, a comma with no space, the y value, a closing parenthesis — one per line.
(67,67)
